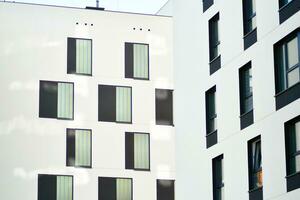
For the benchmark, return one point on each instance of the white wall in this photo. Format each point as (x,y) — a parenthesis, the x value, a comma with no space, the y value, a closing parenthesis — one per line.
(191,67)
(34,47)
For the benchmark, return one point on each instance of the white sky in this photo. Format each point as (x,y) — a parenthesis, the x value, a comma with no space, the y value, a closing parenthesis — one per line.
(140,6)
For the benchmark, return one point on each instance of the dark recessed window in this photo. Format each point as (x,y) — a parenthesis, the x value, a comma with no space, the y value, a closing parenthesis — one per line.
(246,96)
(288,8)
(137,151)
(55,187)
(114,104)
(249,15)
(255,169)
(79,147)
(164,106)
(287,73)
(207,4)
(211,117)
(56,100)
(137,61)
(218,182)
(214,44)
(292,145)
(114,188)
(165,190)
(79,56)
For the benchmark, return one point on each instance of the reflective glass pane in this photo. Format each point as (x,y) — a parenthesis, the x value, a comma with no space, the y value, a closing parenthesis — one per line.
(297,136)
(293,77)
(292,52)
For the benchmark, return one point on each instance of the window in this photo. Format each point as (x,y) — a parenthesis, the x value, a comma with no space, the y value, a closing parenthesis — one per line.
(287,73)
(255,169)
(137,151)
(115,104)
(55,187)
(165,189)
(207,4)
(218,179)
(211,117)
(79,56)
(137,61)
(56,100)
(246,95)
(114,188)
(249,16)
(292,143)
(214,44)
(79,147)
(164,106)
(288,8)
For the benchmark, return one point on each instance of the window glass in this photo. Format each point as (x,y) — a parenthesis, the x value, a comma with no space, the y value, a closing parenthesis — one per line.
(123,189)
(293,77)
(65,101)
(141,151)
(123,104)
(292,52)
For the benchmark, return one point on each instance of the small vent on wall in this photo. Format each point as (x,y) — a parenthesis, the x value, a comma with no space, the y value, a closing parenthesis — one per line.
(141,29)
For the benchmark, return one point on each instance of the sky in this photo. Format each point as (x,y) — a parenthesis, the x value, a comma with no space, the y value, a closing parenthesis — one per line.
(139,6)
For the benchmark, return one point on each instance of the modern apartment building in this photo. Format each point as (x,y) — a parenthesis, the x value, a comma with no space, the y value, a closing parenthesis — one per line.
(237,107)
(121,106)
(86,104)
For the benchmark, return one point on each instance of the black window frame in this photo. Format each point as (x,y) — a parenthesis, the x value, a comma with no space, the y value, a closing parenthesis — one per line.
(211,135)
(113,117)
(250,36)
(164,111)
(255,192)
(113,179)
(207,4)
(71,56)
(128,60)
(69,147)
(292,177)
(214,30)
(129,151)
(285,95)
(54,110)
(218,176)
(52,197)
(246,116)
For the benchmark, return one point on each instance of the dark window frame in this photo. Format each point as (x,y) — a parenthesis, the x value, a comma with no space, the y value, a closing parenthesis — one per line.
(287,10)
(172,186)
(217,164)
(91,148)
(56,82)
(212,31)
(115,178)
(76,73)
(125,63)
(131,105)
(56,175)
(149,153)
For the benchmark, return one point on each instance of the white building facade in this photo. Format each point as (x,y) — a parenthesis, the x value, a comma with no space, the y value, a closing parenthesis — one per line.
(80,88)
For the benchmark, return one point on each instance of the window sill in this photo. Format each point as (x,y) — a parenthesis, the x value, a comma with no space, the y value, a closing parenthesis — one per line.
(246,119)
(287,96)
(215,64)
(211,139)
(293,181)
(288,10)
(255,189)
(80,74)
(256,194)
(250,38)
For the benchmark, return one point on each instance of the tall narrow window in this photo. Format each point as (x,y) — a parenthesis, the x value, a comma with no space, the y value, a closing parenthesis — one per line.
(287,72)
(79,56)
(137,151)
(249,15)
(52,187)
(255,169)
(164,106)
(246,96)
(56,100)
(79,147)
(114,188)
(292,144)
(218,178)
(288,8)
(137,61)
(214,44)
(165,190)
(114,104)
(211,117)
